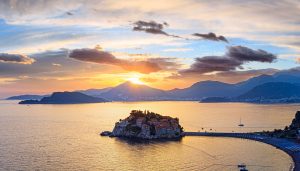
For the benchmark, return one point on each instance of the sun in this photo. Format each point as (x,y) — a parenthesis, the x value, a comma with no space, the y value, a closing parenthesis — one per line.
(135,80)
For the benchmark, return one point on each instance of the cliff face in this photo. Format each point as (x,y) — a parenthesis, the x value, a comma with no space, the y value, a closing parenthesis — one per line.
(148,125)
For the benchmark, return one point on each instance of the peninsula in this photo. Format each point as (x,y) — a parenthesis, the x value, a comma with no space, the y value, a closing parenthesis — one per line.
(146,125)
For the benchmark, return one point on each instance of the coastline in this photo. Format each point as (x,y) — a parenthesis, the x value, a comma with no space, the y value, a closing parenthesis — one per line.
(288,146)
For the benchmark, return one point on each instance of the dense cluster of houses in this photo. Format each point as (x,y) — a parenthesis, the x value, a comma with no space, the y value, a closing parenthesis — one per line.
(148,125)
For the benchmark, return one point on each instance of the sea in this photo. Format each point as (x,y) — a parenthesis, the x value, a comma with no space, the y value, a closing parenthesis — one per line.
(66,137)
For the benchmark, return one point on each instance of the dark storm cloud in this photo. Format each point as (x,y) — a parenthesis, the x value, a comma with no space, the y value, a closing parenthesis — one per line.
(93,55)
(209,64)
(69,13)
(15,58)
(246,54)
(211,36)
(152,27)
(235,57)
(102,57)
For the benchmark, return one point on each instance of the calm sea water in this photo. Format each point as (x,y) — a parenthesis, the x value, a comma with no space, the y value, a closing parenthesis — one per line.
(66,137)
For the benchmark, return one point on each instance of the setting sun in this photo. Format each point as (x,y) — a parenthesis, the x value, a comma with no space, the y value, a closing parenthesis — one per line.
(135,80)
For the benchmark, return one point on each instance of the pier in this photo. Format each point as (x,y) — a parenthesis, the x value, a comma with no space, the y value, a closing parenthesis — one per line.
(291,147)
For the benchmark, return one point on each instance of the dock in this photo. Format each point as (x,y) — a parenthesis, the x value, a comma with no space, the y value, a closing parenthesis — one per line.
(291,147)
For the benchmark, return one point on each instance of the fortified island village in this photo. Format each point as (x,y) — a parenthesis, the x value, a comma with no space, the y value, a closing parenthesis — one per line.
(147,125)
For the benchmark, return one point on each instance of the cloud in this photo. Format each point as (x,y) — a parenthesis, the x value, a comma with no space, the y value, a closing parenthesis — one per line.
(211,36)
(256,19)
(246,54)
(93,55)
(149,79)
(178,50)
(43,67)
(226,76)
(152,27)
(166,63)
(209,64)
(15,58)
(102,57)
(298,60)
(55,64)
(235,57)
(69,13)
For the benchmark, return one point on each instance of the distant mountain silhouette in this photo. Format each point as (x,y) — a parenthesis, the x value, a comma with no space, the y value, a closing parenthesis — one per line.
(253,82)
(273,90)
(65,98)
(25,97)
(291,72)
(95,92)
(279,77)
(200,90)
(205,90)
(134,92)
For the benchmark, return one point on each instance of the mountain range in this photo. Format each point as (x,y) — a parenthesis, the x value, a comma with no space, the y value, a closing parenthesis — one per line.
(281,85)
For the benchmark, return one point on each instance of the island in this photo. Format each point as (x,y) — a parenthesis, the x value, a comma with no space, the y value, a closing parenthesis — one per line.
(26,97)
(65,98)
(147,125)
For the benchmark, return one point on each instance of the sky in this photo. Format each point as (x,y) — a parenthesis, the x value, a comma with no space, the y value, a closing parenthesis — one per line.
(60,45)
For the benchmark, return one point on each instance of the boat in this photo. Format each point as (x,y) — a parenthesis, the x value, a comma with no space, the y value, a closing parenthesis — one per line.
(241,124)
(242,167)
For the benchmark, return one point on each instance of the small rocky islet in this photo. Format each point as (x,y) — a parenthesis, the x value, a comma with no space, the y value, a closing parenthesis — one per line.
(146,125)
